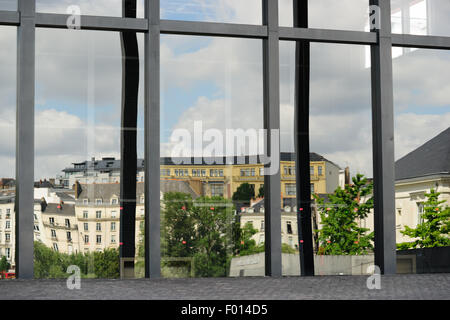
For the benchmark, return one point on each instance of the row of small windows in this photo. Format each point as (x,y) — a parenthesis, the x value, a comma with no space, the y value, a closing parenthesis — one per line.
(291,189)
(290,171)
(114,201)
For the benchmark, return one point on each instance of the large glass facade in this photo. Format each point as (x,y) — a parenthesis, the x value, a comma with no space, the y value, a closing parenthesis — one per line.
(206,95)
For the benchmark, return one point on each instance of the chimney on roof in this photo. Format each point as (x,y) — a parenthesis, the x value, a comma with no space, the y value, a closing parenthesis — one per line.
(78,189)
(43,204)
(347,176)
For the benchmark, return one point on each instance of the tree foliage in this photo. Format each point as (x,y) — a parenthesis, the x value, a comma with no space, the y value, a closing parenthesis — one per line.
(245,192)
(340,233)
(4,264)
(50,264)
(434,229)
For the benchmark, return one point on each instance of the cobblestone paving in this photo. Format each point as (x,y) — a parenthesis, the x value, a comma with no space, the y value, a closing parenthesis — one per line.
(404,287)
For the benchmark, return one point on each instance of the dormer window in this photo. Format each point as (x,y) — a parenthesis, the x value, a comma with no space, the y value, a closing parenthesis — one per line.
(85,201)
(98,202)
(114,201)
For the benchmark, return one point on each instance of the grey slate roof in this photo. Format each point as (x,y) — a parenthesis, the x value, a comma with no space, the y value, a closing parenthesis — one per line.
(66,209)
(431,158)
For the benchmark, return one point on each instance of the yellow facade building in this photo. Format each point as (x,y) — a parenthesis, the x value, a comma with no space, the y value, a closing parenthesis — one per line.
(223,178)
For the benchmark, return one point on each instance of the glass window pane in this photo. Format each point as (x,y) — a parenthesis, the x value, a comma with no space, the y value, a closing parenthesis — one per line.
(228,11)
(340,149)
(421,17)
(8,5)
(111,8)
(77,151)
(330,14)
(212,105)
(8,40)
(422,135)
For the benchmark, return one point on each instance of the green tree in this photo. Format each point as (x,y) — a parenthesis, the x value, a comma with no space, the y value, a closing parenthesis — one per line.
(245,192)
(434,229)
(261,191)
(106,264)
(244,244)
(340,233)
(213,218)
(177,225)
(4,264)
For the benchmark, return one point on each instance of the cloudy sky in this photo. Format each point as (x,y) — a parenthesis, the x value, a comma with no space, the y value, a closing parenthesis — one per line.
(217,81)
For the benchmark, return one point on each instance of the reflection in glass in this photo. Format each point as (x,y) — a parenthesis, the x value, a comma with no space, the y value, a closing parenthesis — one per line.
(212,208)
(421,17)
(422,136)
(7,149)
(8,5)
(330,14)
(341,148)
(87,7)
(77,150)
(228,11)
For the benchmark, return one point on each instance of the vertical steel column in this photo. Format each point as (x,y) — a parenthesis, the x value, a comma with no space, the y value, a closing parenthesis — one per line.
(128,143)
(25,139)
(301,135)
(272,123)
(152,141)
(383,142)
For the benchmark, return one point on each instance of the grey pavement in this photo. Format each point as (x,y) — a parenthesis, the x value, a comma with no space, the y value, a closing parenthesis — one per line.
(404,287)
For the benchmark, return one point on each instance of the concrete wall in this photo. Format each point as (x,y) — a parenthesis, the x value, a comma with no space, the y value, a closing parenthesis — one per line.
(253,265)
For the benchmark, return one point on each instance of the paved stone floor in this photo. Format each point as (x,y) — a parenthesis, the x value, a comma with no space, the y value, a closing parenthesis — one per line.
(404,287)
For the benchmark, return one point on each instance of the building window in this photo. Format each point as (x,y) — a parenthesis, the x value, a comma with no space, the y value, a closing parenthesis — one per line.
(99,239)
(114,201)
(35,217)
(312,187)
(53,232)
(55,246)
(51,220)
(85,201)
(98,201)
(8,253)
(420,211)
(98,214)
(291,189)
(113,239)
(113,226)
(113,214)
(203,173)
(67,223)
(85,214)
(69,236)
(217,190)
(289,227)
(319,168)
(36,227)
(311,170)
(7,237)
(98,226)
(142,199)
(176,172)
(8,224)
(86,239)
(262,225)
